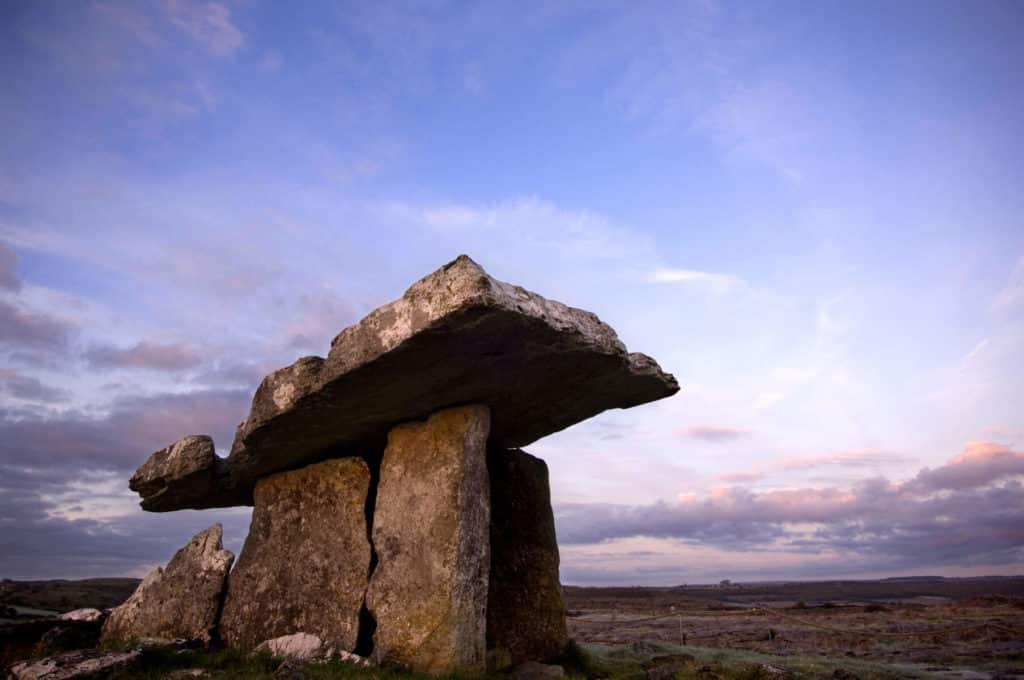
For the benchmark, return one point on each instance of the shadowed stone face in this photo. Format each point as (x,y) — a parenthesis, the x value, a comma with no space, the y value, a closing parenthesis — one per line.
(525,613)
(431,532)
(181,601)
(306,560)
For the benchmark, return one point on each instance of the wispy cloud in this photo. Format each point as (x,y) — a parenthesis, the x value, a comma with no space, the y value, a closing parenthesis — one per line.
(719,283)
(713,433)
(28,388)
(1011,295)
(19,327)
(145,355)
(208,23)
(9,279)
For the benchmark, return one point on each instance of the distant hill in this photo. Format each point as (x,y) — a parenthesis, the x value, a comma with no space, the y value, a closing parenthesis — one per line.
(61,595)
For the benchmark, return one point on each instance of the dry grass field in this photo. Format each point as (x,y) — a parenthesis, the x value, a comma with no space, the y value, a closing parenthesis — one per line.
(959,627)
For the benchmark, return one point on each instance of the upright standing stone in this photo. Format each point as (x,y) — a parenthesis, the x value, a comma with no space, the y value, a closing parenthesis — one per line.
(306,562)
(181,601)
(525,613)
(431,532)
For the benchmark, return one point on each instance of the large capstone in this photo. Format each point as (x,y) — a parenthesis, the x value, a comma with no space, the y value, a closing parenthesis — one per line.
(525,613)
(431,532)
(182,600)
(306,561)
(457,336)
(187,474)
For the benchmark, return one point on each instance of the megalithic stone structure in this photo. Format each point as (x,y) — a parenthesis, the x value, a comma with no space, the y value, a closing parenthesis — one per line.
(395,513)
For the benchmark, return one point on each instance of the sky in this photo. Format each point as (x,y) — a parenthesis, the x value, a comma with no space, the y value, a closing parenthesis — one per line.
(809,213)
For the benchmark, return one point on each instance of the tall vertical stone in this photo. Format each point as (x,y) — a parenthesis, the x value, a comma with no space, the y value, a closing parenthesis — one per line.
(525,613)
(180,601)
(306,561)
(431,531)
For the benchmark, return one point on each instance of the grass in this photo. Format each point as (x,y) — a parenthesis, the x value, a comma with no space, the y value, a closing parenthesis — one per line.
(581,661)
(626,662)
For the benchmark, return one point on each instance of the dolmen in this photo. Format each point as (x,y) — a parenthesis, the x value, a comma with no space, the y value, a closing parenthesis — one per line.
(395,513)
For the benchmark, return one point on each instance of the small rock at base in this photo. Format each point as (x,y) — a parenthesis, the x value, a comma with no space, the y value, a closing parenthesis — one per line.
(88,614)
(308,647)
(86,663)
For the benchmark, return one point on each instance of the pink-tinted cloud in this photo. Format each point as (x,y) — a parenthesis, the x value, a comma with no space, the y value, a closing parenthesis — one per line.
(30,329)
(30,389)
(145,355)
(978,516)
(980,463)
(713,433)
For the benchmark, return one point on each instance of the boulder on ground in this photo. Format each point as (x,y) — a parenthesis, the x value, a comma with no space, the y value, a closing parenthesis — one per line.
(428,593)
(306,561)
(306,647)
(87,614)
(181,601)
(77,665)
(525,612)
(187,474)
(457,336)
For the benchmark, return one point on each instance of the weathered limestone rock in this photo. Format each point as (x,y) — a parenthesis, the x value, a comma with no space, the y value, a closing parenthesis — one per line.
(525,612)
(457,336)
(306,647)
(180,601)
(77,665)
(431,532)
(88,614)
(187,474)
(306,561)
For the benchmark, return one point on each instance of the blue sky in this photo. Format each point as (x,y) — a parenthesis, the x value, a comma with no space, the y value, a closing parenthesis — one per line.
(809,213)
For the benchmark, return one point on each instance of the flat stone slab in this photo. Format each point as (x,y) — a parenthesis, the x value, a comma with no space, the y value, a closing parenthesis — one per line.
(428,593)
(181,601)
(306,561)
(77,665)
(457,336)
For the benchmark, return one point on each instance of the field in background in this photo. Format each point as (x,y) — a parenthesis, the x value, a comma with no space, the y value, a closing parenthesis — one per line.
(942,626)
(965,629)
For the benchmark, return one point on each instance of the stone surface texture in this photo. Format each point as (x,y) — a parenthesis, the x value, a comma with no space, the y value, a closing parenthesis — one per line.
(306,561)
(187,474)
(182,600)
(87,614)
(525,612)
(428,593)
(77,665)
(306,647)
(457,336)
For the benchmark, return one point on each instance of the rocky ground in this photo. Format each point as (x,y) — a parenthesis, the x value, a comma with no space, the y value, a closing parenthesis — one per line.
(876,623)
(946,629)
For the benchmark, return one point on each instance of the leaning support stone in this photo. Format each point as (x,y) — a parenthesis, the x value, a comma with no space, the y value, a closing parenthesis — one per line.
(306,561)
(181,601)
(525,613)
(431,533)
